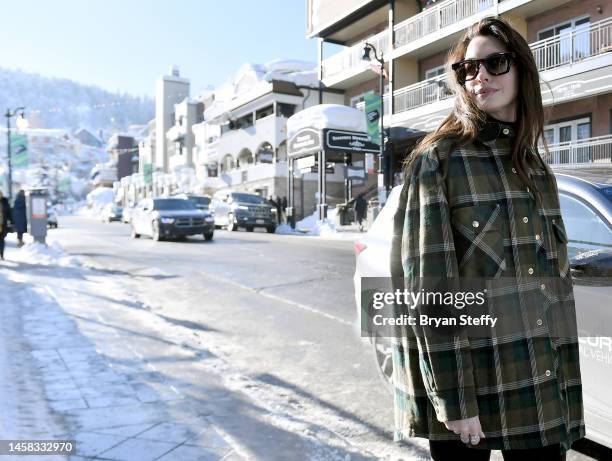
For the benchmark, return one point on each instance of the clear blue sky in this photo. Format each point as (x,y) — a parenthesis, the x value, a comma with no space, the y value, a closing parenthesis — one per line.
(126,45)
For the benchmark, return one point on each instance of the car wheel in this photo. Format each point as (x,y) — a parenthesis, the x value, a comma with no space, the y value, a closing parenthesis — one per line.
(231,224)
(384,362)
(271,229)
(156,236)
(134,234)
(208,236)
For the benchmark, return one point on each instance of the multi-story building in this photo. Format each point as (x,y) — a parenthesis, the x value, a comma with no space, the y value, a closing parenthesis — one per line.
(571,41)
(170,90)
(242,142)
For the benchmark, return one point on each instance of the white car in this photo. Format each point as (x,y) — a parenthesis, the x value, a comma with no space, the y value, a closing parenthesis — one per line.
(586,203)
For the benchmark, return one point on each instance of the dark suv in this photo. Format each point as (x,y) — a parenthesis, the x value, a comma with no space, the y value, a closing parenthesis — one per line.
(170,217)
(241,209)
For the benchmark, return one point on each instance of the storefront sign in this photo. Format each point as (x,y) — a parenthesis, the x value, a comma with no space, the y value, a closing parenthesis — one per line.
(305,141)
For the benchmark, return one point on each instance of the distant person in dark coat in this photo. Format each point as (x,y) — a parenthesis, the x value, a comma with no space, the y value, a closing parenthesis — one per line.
(5,214)
(284,206)
(279,209)
(360,208)
(20,220)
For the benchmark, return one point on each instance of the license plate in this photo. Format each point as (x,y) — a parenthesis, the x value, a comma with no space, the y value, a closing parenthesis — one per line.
(259,221)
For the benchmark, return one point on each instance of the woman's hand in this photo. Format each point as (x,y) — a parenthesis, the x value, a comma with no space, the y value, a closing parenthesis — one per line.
(468,429)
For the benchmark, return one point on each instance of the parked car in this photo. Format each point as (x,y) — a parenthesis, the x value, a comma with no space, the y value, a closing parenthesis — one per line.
(112,213)
(241,209)
(585,196)
(170,217)
(51,217)
(201,201)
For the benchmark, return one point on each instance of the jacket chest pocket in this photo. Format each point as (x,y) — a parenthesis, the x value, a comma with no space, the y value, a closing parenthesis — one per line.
(479,240)
(560,241)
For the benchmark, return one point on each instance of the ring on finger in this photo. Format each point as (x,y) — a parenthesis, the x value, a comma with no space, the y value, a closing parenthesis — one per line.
(474,439)
(465,439)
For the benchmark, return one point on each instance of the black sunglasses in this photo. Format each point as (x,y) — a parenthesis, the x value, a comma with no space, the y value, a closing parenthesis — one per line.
(496,64)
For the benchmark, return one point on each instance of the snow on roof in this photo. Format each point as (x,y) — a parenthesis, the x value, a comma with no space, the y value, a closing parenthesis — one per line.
(335,116)
(250,77)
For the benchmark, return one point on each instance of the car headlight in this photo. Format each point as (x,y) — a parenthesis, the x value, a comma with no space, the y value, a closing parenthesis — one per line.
(242,207)
(209,219)
(166,220)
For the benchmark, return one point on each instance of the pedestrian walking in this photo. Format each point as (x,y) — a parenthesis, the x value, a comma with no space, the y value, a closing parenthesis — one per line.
(360,207)
(20,220)
(279,208)
(479,202)
(284,208)
(5,217)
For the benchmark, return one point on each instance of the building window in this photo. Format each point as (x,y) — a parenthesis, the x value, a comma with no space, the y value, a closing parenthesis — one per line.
(266,111)
(579,46)
(568,131)
(431,73)
(285,110)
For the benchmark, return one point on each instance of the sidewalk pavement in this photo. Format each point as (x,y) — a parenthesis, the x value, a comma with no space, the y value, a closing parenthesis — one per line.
(63,380)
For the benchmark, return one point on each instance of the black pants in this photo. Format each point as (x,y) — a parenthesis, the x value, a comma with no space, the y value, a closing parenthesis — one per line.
(452,450)
(20,236)
(1,247)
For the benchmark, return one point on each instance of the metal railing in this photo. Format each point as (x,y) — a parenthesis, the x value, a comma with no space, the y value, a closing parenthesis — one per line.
(590,150)
(437,17)
(422,93)
(352,58)
(549,53)
(574,45)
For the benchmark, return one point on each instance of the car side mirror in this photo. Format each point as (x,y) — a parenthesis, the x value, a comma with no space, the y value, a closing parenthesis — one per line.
(592,268)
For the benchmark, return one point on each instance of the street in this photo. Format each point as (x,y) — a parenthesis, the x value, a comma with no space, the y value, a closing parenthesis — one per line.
(239,348)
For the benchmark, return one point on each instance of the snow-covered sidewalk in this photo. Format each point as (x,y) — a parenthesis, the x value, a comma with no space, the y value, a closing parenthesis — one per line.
(67,371)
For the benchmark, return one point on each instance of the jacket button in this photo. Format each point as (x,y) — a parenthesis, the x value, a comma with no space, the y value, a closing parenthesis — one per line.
(530,270)
(475,224)
(506,131)
(538,237)
(514,170)
(525,219)
(542,287)
(539,322)
(547,373)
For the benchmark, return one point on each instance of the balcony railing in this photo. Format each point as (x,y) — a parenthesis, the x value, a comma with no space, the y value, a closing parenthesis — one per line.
(422,93)
(352,58)
(437,17)
(549,53)
(590,150)
(573,46)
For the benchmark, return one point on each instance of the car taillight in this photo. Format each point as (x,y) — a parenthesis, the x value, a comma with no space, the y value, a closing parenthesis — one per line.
(359,247)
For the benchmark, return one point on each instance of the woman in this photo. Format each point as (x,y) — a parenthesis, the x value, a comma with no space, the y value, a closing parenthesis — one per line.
(5,214)
(479,202)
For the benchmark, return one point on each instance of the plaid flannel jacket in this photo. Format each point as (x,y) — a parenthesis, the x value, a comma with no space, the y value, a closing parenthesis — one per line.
(483,221)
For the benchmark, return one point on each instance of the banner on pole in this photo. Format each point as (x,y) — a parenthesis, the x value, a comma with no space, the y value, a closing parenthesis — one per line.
(372,113)
(19,150)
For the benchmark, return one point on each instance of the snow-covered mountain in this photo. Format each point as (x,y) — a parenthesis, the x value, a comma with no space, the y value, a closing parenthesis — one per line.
(63,103)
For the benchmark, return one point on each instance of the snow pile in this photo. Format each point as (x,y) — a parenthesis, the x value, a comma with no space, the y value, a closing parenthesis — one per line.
(97,200)
(324,228)
(335,116)
(316,227)
(285,229)
(38,253)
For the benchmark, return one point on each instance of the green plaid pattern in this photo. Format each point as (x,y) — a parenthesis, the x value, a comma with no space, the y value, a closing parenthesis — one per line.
(484,222)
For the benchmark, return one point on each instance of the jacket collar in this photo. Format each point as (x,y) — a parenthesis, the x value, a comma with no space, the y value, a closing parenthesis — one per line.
(494,129)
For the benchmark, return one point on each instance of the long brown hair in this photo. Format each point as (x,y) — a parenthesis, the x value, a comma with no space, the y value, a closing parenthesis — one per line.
(466,119)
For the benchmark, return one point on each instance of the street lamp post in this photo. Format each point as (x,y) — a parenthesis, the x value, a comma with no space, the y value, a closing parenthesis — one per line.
(9,114)
(383,167)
